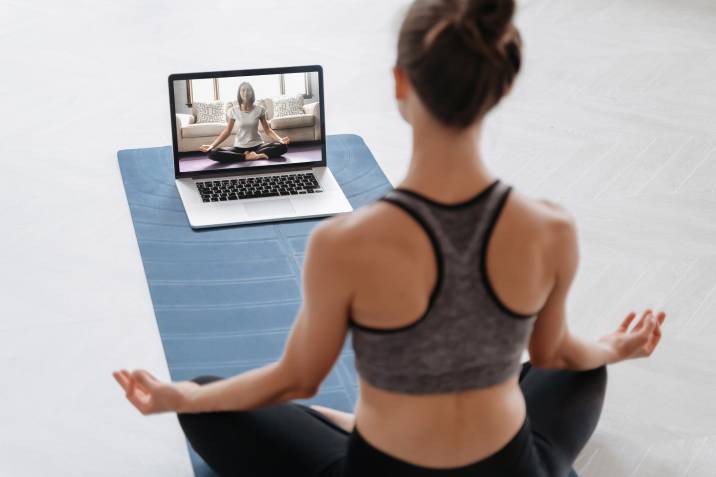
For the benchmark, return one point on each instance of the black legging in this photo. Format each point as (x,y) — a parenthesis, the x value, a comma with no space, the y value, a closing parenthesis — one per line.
(292,439)
(235,153)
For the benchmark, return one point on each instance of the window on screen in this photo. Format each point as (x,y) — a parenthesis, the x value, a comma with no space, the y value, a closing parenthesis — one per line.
(225,89)
(294,83)
(264,86)
(202,90)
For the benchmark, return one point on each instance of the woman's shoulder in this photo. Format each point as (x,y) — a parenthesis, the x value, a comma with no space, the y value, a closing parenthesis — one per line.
(544,219)
(232,110)
(366,226)
(379,221)
(355,227)
(543,211)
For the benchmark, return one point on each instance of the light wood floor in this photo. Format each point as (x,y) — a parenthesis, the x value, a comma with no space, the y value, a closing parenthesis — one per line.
(614,116)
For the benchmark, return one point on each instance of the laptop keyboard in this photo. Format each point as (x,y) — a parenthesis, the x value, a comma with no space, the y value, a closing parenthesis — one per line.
(255,187)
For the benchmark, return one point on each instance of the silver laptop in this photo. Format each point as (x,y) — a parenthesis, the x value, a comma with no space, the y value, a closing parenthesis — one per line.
(250,146)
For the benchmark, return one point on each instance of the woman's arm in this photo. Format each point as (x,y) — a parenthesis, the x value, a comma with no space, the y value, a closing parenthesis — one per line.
(553,346)
(270,131)
(269,384)
(220,138)
(313,346)
(311,350)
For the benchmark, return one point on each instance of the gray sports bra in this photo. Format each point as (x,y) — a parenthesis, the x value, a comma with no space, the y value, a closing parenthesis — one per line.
(466,338)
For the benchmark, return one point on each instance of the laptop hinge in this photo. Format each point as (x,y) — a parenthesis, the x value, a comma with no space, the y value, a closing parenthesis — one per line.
(235,172)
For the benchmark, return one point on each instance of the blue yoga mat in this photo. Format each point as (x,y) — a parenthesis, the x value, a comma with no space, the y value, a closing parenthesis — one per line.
(225,298)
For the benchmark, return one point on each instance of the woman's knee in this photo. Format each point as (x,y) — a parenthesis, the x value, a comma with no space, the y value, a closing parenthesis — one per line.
(206,378)
(565,391)
(590,388)
(225,155)
(599,376)
(193,423)
(215,154)
(201,428)
(590,384)
(602,373)
(276,149)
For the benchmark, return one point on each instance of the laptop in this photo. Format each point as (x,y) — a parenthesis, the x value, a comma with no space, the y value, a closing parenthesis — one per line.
(270,165)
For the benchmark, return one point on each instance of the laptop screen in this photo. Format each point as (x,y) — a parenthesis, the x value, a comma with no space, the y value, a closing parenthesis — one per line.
(248,119)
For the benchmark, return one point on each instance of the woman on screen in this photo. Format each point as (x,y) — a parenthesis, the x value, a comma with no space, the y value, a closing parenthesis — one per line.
(248,145)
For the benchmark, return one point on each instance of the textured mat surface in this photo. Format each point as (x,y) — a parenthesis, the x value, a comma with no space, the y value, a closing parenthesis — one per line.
(225,298)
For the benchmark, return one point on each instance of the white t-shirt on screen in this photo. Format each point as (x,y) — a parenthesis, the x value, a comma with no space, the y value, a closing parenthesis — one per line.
(247,132)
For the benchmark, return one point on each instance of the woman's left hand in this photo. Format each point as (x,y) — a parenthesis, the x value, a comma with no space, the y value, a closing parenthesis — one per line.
(285,140)
(151,396)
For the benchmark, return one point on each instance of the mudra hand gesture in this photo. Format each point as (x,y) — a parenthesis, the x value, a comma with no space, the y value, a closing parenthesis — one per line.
(150,395)
(640,341)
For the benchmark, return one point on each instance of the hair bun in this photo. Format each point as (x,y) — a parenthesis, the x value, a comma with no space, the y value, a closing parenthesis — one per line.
(461,56)
(493,19)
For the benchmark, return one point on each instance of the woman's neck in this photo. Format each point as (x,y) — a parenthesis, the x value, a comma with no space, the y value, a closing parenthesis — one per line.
(446,165)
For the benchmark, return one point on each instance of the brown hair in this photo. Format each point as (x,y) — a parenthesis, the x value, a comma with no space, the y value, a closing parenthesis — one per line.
(250,97)
(461,56)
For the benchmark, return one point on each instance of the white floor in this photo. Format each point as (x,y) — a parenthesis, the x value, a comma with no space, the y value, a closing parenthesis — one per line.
(614,117)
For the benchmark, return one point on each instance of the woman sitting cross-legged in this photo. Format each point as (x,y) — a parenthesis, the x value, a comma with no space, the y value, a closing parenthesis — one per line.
(248,145)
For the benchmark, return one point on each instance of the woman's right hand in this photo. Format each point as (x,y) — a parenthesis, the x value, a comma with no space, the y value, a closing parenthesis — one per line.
(205,147)
(640,341)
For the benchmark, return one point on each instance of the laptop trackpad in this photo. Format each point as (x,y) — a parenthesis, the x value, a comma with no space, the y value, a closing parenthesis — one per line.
(269,208)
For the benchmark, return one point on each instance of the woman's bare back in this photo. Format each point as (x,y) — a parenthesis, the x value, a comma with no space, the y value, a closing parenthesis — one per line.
(394,274)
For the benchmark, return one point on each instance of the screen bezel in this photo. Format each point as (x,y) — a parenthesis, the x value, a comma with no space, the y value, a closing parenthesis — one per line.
(246,72)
